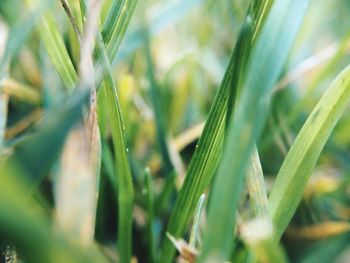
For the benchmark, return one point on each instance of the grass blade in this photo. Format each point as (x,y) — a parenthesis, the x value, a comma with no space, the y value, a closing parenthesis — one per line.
(149,195)
(124,179)
(273,44)
(78,179)
(20,91)
(54,44)
(302,157)
(22,220)
(208,151)
(54,129)
(194,237)
(156,98)
(256,186)
(116,24)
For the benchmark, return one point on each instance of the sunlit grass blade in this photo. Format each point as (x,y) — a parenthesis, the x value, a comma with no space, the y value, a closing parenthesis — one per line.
(265,64)
(20,91)
(55,47)
(301,159)
(256,186)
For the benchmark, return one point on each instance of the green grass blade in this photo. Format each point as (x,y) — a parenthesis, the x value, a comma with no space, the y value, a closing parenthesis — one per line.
(24,222)
(156,98)
(149,195)
(123,172)
(110,96)
(55,47)
(33,153)
(116,24)
(302,157)
(273,44)
(208,151)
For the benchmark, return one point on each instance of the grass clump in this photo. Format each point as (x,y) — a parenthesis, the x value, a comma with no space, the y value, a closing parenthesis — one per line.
(162,131)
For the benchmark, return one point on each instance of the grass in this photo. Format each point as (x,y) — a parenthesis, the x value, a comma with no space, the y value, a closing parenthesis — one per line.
(161,131)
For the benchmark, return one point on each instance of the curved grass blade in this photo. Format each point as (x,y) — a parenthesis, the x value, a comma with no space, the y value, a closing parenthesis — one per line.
(268,56)
(301,159)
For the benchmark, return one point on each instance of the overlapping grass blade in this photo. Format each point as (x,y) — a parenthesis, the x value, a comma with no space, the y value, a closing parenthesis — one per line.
(208,151)
(78,179)
(301,159)
(123,172)
(265,64)
(109,94)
